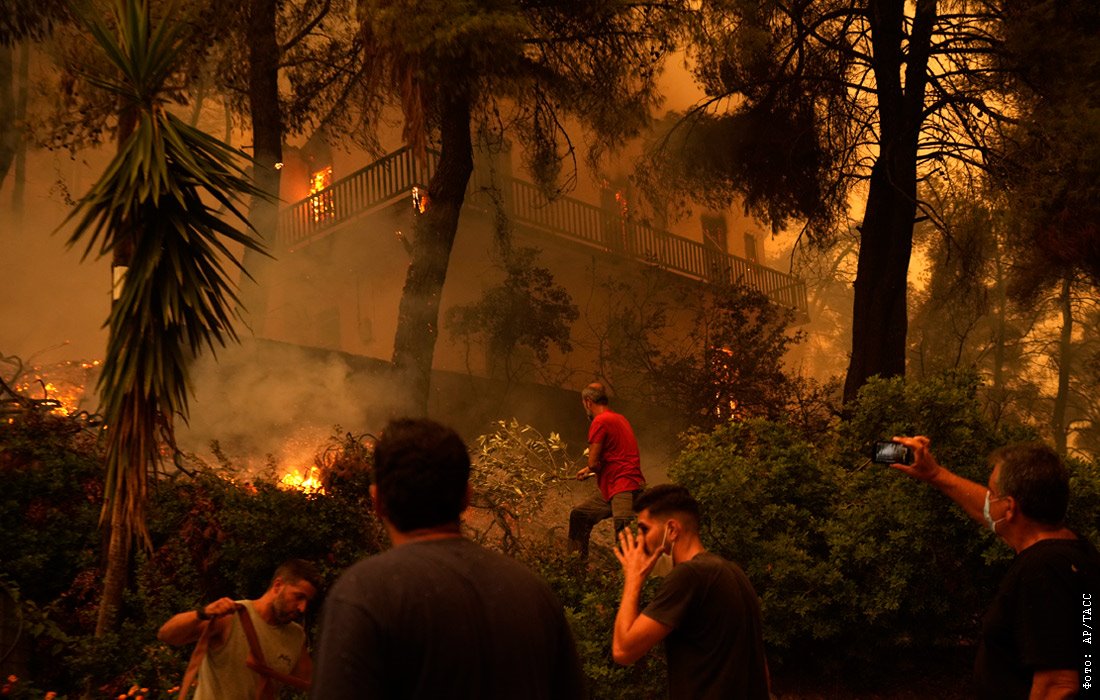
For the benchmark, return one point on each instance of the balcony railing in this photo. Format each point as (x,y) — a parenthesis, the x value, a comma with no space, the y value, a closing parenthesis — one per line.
(387,180)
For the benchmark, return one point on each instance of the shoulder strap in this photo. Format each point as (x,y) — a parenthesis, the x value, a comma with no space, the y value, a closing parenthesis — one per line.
(196,660)
(257,663)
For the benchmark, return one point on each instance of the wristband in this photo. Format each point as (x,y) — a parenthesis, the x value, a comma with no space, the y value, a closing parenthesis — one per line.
(201,613)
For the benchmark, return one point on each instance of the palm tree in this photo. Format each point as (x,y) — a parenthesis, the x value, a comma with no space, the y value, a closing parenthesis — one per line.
(153,210)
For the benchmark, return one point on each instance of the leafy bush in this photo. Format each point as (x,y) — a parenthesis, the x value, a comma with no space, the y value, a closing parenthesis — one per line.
(514,469)
(854,562)
(766,494)
(212,536)
(857,566)
(591,599)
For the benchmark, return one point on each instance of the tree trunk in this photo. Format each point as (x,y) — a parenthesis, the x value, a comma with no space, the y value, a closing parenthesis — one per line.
(418,313)
(114,578)
(1065,361)
(267,139)
(879,313)
(19,183)
(118,546)
(9,130)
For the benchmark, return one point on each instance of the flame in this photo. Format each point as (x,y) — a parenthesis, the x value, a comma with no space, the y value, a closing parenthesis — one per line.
(310,482)
(62,383)
(321,202)
(294,459)
(420,200)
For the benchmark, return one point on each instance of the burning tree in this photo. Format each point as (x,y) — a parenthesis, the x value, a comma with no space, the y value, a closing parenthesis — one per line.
(153,211)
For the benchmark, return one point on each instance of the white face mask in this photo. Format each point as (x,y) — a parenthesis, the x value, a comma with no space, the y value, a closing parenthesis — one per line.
(989,521)
(664,562)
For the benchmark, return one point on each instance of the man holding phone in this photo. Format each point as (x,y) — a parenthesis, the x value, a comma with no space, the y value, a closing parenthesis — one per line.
(1030,641)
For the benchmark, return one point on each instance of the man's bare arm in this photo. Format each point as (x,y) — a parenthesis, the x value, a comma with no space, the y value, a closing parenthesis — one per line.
(1054,684)
(186,627)
(968,494)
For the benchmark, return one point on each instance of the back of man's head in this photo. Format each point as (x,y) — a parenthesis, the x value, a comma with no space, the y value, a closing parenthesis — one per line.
(421,471)
(297,570)
(1035,477)
(596,393)
(668,500)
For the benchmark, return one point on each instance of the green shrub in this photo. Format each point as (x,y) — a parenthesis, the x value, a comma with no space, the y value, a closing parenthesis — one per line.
(766,494)
(856,563)
(591,598)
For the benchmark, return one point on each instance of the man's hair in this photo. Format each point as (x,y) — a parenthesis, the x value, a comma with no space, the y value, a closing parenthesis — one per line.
(1034,475)
(296,570)
(595,393)
(669,499)
(421,471)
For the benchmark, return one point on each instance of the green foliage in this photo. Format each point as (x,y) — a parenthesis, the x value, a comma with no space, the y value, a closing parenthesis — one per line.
(915,567)
(767,494)
(50,503)
(1051,173)
(212,536)
(514,468)
(855,562)
(730,364)
(527,309)
(154,210)
(591,600)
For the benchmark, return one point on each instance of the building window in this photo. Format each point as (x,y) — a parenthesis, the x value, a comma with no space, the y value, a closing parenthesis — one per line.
(751,252)
(714,232)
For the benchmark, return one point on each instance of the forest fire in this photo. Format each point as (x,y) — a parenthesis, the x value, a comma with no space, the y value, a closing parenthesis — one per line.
(62,385)
(340,458)
(310,482)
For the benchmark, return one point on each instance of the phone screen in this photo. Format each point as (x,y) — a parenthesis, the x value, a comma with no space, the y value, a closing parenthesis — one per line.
(887,452)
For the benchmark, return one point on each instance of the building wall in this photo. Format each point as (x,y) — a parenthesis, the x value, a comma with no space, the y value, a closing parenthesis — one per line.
(342,293)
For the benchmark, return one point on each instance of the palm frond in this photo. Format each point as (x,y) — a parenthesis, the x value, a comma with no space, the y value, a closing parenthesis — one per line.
(156,198)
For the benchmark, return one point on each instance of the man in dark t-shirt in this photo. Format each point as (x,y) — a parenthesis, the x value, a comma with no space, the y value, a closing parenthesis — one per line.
(706,611)
(439,616)
(1031,644)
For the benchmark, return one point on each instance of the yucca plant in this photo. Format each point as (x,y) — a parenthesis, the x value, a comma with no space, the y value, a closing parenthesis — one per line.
(153,210)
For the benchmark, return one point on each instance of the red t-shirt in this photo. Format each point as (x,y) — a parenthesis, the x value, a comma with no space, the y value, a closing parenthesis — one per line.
(620,467)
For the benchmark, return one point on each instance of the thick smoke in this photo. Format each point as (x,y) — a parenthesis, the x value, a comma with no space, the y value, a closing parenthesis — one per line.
(264,399)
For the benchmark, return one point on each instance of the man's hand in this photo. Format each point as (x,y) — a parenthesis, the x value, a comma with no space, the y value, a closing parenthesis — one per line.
(635,634)
(219,608)
(637,564)
(924,466)
(585,473)
(186,627)
(966,493)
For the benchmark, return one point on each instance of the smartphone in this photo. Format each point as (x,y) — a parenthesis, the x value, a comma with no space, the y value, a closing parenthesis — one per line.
(890,452)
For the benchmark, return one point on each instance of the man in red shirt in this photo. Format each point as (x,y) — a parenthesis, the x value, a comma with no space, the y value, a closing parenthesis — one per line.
(613,459)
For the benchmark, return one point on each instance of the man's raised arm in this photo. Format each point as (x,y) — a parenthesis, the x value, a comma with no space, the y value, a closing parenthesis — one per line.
(968,494)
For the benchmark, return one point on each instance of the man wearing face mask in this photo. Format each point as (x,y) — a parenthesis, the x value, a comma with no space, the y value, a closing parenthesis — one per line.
(1031,634)
(706,610)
